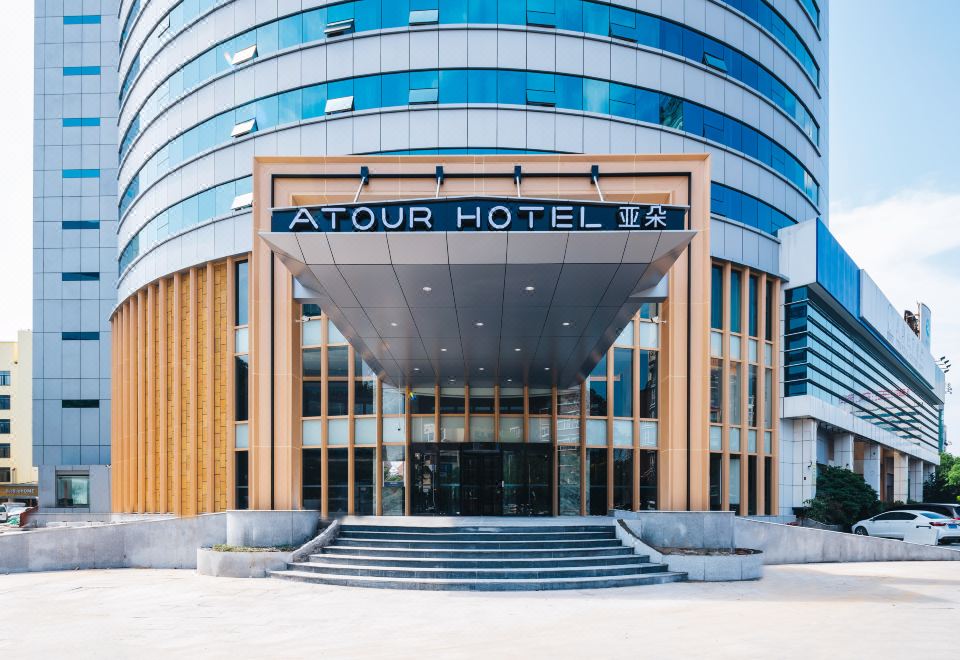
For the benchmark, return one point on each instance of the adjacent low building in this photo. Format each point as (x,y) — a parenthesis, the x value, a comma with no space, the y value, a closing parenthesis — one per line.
(861,389)
(18,476)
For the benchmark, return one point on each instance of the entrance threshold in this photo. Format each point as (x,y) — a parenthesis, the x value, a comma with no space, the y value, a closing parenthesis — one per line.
(475,521)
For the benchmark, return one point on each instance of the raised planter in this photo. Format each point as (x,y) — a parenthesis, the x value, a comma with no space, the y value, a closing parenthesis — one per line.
(717,566)
(240,564)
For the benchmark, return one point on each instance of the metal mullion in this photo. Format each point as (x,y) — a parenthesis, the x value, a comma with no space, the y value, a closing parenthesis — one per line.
(351,421)
(407,447)
(378,455)
(324,416)
(555,442)
(635,397)
(584,392)
(610,470)
(762,284)
(466,413)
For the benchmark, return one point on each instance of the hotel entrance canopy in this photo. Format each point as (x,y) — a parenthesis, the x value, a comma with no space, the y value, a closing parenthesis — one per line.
(480,290)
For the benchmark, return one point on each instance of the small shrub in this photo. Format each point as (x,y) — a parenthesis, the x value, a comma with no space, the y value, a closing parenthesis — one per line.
(843,498)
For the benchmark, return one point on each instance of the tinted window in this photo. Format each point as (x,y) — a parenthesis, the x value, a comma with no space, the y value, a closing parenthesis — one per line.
(885,516)
(934,516)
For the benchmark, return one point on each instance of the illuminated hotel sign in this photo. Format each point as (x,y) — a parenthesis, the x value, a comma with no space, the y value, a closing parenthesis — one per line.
(471,214)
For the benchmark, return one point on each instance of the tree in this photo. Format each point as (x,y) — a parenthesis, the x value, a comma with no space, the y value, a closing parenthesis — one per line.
(944,484)
(843,497)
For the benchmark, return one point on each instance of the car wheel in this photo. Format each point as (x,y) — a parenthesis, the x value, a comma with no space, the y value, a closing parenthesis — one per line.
(861,531)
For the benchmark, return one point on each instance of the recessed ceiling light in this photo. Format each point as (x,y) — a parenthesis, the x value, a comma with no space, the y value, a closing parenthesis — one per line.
(481,368)
(479,324)
(443,350)
(517,350)
(452,380)
(566,324)
(546,368)
(529,288)
(393,324)
(509,380)
(427,289)
(416,368)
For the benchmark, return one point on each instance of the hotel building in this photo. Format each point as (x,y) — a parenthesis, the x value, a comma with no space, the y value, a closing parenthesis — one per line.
(272,354)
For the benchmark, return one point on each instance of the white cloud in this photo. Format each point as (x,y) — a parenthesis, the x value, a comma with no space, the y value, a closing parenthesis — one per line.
(910,245)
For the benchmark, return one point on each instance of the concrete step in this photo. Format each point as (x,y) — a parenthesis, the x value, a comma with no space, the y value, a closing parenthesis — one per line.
(438,584)
(474,553)
(477,536)
(493,528)
(540,573)
(492,543)
(430,562)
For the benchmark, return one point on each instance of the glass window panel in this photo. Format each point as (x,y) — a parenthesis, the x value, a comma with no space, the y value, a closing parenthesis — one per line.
(751,441)
(649,335)
(360,368)
(338,432)
(365,397)
(716,391)
(716,485)
(752,350)
(338,361)
(622,433)
(422,401)
(768,354)
(752,396)
(511,401)
(511,429)
(734,483)
(452,400)
(736,306)
(568,430)
(539,429)
(736,348)
(626,337)
(768,398)
(312,362)
(716,297)
(241,340)
(768,442)
(648,434)
(649,374)
(241,436)
(312,433)
(423,429)
(393,400)
(753,307)
(734,439)
(481,402)
(768,332)
(241,309)
(337,393)
(568,402)
(736,397)
(451,428)
(568,480)
(541,402)
(394,429)
(481,429)
(622,382)
(365,431)
(312,398)
(716,438)
(597,432)
(598,398)
(716,344)
(242,385)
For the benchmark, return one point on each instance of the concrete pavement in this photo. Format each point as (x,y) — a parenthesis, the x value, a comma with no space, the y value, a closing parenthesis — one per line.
(903,609)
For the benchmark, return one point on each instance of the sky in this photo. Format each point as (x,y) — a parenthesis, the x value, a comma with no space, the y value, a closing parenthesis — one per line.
(894,139)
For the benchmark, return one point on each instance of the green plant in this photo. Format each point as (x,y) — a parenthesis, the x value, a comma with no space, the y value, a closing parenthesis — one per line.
(944,484)
(843,498)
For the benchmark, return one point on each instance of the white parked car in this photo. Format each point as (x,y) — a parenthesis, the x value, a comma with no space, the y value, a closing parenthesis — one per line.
(897,524)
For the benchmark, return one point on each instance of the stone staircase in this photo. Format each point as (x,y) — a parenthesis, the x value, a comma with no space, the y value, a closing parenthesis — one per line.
(479,558)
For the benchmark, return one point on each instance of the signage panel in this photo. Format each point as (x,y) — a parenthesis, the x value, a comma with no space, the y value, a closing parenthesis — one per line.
(479,214)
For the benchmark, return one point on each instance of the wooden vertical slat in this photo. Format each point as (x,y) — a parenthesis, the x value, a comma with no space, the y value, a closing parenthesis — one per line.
(210,456)
(132,406)
(351,423)
(151,437)
(164,329)
(324,415)
(178,395)
(584,403)
(228,361)
(193,409)
(141,401)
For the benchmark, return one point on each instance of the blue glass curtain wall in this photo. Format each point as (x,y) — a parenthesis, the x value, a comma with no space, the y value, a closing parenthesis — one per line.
(573,15)
(823,358)
(484,86)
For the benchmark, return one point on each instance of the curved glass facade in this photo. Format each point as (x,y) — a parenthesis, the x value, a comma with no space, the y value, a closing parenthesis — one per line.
(763,13)
(575,15)
(476,86)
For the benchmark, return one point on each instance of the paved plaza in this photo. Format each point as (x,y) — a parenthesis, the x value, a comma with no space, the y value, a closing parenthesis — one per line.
(826,610)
